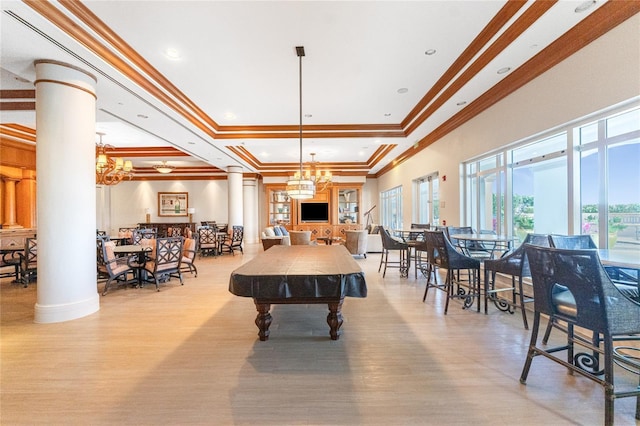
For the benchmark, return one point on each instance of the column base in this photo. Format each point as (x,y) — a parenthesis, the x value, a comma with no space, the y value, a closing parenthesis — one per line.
(45,314)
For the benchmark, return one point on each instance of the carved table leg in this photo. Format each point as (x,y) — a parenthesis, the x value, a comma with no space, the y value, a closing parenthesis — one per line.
(263,320)
(334,319)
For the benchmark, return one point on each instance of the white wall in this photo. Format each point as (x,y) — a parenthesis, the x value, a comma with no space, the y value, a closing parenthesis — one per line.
(602,74)
(130,199)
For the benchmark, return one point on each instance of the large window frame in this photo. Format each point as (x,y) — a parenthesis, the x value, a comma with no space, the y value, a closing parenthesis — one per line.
(391,208)
(475,172)
(426,207)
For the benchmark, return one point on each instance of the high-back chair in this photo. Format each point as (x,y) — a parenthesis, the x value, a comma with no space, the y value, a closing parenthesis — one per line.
(189,256)
(390,244)
(29,261)
(572,242)
(442,254)
(166,261)
(207,241)
(573,286)
(514,264)
(235,242)
(113,268)
(140,234)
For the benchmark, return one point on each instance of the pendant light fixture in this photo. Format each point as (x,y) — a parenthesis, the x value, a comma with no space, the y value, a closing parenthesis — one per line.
(298,187)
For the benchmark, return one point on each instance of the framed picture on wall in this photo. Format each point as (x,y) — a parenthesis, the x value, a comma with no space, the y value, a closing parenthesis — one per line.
(172,204)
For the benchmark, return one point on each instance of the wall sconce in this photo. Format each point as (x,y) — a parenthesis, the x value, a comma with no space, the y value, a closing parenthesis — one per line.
(148,213)
(191,211)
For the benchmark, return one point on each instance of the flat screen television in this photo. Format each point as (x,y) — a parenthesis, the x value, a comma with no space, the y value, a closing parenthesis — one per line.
(314,212)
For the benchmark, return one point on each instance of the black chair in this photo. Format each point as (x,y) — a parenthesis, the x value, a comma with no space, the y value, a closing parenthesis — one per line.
(473,249)
(189,251)
(111,267)
(390,244)
(207,241)
(595,304)
(235,242)
(515,264)
(167,260)
(442,254)
(29,261)
(585,242)
(143,234)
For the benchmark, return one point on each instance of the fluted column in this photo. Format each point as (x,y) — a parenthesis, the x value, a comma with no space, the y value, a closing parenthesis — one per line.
(10,203)
(234,183)
(66,197)
(250,206)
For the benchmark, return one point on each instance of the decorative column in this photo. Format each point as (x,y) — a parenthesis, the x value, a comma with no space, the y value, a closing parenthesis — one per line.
(250,203)
(65,161)
(234,191)
(10,203)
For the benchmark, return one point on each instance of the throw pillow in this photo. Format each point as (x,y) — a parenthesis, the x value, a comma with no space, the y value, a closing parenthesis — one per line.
(284,231)
(276,231)
(269,232)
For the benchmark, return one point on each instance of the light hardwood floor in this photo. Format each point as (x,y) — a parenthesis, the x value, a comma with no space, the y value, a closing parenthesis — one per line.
(190,355)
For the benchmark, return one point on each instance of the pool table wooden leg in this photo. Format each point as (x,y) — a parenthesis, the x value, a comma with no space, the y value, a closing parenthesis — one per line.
(334,319)
(263,320)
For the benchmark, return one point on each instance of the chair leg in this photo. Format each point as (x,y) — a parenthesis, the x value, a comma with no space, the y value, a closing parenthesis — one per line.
(524,311)
(547,332)
(429,268)
(532,345)
(381,257)
(449,289)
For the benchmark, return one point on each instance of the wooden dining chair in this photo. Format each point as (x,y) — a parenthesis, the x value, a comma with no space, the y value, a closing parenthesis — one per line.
(189,256)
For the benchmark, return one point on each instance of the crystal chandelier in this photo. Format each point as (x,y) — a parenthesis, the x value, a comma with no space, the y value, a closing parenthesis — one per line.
(299,187)
(109,170)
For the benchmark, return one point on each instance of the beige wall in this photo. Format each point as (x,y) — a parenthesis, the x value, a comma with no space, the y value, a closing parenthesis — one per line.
(128,201)
(603,74)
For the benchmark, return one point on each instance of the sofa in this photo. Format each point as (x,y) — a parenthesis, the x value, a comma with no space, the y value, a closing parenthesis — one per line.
(277,232)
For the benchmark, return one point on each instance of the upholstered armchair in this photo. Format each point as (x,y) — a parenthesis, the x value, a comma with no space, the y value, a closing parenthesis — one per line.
(113,268)
(356,242)
(166,261)
(189,256)
(300,238)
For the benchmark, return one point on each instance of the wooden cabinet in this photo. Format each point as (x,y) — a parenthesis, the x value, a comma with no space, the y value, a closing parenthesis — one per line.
(348,205)
(344,201)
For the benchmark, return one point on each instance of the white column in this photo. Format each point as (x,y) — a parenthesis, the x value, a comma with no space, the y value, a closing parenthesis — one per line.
(250,205)
(234,191)
(66,195)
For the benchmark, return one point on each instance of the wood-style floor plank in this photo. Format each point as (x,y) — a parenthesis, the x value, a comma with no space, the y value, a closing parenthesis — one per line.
(191,355)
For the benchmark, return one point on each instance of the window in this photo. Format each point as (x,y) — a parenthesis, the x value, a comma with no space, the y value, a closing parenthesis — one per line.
(610,180)
(391,208)
(582,178)
(427,203)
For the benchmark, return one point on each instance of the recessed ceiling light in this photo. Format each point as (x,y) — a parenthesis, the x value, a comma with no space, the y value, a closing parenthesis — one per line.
(585,6)
(430,52)
(504,70)
(191,143)
(308,115)
(229,116)
(142,116)
(172,53)
(403,90)
(387,114)
(461,103)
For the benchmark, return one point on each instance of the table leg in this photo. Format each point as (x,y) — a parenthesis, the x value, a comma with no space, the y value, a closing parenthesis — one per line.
(263,320)
(334,319)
